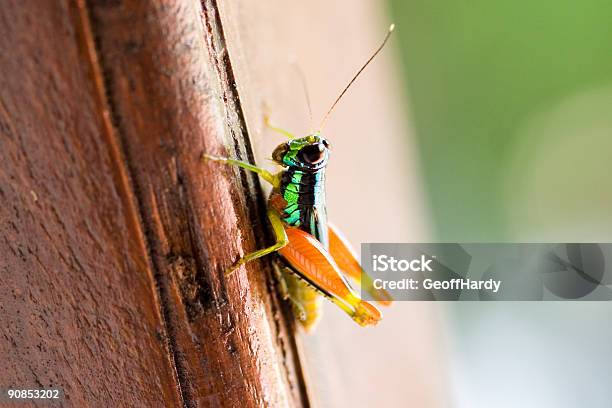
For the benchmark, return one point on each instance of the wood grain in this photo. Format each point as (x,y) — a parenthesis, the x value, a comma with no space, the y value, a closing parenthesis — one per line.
(78,305)
(114,235)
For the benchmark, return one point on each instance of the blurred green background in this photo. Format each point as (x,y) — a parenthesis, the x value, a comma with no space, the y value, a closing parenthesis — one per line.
(511,107)
(511,104)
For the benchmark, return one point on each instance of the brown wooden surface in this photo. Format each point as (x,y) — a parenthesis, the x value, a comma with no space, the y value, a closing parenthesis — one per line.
(113,235)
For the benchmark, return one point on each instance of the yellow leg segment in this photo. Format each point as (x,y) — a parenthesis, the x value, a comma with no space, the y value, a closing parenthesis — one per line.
(283,274)
(281,241)
(263,173)
(277,129)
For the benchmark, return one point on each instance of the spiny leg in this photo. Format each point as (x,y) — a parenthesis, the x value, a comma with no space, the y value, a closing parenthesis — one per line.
(283,288)
(281,241)
(281,271)
(263,173)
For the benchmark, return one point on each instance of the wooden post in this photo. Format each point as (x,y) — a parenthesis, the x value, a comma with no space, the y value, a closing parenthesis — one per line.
(113,234)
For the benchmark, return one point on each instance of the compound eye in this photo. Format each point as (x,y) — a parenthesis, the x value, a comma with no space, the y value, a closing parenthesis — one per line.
(312,154)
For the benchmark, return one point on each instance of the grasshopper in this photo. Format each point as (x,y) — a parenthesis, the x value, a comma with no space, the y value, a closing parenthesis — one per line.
(315,259)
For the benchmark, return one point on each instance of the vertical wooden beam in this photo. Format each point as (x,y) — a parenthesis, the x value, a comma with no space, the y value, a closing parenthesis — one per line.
(173,97)
(114,235)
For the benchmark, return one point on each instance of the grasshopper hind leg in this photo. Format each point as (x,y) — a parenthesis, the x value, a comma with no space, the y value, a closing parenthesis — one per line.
(316,267)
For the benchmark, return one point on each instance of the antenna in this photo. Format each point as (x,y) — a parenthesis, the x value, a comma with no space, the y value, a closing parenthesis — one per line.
(380,47)
(305,88)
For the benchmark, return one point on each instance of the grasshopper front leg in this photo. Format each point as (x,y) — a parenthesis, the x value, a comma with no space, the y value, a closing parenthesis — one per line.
(263,173)
(277,129)
(277,224)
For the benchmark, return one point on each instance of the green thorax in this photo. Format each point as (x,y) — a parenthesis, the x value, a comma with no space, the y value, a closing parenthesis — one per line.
(304,193)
